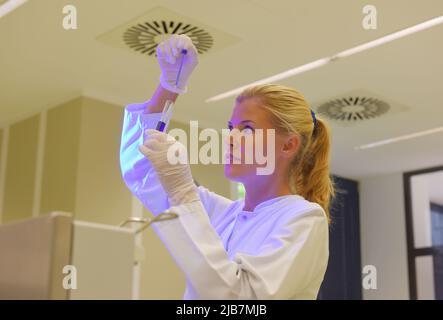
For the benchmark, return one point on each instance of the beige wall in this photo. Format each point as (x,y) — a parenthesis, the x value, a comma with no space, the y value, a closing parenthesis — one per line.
(160,278)
(210,175)
(1,145)
(383,235)
(1,157)
(20,171)
(101,193)
(60,163)
(1,173)
(81,174)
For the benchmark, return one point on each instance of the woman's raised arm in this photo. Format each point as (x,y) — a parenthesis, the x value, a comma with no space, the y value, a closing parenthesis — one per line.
(177,57)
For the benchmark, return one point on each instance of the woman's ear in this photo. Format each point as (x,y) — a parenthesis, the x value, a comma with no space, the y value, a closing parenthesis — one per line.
(291,145)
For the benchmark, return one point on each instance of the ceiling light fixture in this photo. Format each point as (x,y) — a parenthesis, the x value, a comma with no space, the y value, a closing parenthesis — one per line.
(400,138)
(321,62)
(9,6)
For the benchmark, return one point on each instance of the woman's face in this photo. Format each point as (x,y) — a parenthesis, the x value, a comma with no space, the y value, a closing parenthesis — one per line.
(249,118)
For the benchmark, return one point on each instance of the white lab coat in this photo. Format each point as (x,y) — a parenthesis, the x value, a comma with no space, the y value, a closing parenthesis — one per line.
(278,251)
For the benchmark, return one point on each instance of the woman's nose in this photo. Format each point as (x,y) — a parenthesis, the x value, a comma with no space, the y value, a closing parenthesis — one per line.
(231,139)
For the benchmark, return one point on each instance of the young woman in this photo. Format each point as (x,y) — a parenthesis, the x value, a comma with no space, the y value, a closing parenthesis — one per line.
(271,245)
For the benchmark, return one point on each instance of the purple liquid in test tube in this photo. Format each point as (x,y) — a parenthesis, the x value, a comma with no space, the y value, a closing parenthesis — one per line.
(184,52)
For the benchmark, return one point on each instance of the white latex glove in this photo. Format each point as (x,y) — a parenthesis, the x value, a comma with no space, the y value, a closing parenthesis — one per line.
(169,159)
(169,57)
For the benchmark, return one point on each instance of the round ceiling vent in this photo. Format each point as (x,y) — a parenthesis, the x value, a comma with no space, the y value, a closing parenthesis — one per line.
(353,108)
(144,37)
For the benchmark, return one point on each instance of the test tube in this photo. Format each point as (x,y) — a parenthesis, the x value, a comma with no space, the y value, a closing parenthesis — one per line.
(166,116)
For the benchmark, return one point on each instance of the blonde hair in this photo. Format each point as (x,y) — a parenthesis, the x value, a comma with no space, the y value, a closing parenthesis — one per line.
(291,113)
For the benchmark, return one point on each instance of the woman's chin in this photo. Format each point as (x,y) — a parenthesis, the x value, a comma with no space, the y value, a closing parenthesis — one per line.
(232,172)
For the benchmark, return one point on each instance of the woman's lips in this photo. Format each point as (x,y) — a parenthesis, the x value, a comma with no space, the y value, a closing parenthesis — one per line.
(229,157)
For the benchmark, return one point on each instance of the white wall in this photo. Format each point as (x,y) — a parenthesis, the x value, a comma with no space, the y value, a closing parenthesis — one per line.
(421,211)
(383,235)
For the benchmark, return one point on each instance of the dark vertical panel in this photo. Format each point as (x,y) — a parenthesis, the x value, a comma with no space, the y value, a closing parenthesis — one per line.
(437,243)
(438,272)
(409,236)
(343,276)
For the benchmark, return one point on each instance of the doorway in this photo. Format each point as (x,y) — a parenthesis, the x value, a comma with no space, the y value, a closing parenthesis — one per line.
(423,191)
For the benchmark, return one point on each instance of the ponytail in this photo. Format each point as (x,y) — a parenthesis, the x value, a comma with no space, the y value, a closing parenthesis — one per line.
(311,170)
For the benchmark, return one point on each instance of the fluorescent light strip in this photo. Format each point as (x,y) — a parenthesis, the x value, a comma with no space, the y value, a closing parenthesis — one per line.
(401,138)
(391,37)
(292,72)
(321,62)
(9,6)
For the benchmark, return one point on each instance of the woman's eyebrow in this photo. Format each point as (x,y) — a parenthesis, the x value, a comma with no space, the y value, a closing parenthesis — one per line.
(229,122)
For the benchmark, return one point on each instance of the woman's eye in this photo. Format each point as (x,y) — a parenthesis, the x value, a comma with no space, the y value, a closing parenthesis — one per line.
(248,130)
(245,130)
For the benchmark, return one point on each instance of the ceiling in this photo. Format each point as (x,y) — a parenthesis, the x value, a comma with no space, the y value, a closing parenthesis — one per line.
(43,65)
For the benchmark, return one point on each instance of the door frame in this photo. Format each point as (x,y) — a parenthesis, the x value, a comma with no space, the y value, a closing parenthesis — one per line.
(412,251)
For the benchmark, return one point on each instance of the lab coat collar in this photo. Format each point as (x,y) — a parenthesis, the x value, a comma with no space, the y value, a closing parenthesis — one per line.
(269,202)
